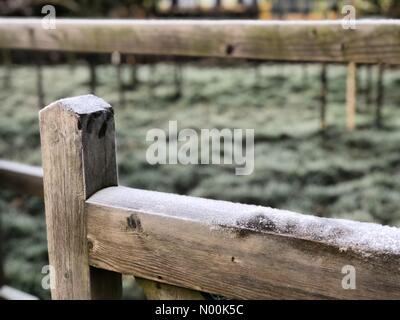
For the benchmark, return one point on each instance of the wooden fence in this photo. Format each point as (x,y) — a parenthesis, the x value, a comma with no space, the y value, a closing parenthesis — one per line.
(370,42)
(98,230)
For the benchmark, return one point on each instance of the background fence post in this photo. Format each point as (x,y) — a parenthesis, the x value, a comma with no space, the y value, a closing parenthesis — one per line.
(39,82)
(380,96)
(351,96)
(78,155)
(7,62)
(323,94)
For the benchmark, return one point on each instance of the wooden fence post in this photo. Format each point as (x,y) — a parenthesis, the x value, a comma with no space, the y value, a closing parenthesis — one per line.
(116,60)
(323,94)
(92,74)
(7,61)
(78,155)
(39,83)
(380,93)
(178,80)
(368,86)
(351,96)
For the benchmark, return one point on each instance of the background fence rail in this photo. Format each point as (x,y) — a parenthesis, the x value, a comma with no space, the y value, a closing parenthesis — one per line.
(372,41)
(21,177)
(29,181)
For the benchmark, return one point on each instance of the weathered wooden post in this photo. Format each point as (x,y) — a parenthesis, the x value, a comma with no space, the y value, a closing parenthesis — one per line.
(78,155)
(351,96)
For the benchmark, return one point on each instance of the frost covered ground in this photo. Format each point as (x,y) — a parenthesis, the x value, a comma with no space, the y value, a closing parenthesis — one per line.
(333,174)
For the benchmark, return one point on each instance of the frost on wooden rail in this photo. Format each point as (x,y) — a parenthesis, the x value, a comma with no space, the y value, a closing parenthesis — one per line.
(366,238)
(238,250)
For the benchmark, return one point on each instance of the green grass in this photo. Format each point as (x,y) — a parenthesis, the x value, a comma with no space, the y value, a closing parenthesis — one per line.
(333,173)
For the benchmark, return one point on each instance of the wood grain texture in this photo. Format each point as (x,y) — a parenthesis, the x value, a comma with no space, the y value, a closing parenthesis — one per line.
(78,156)
(22,178)
(372,41)
(203,245)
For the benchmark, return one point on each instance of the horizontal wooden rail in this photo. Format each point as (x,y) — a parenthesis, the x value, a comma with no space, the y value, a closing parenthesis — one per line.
(236,250)
(372,41)
(21,177)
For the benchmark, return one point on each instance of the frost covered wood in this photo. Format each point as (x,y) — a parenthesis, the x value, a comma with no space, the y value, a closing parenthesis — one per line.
(237,250)
(78,155)
(366,238)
